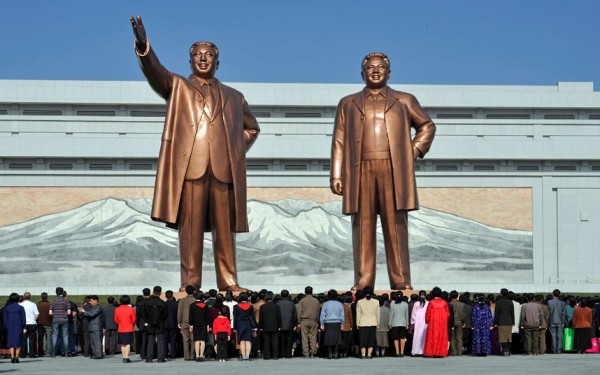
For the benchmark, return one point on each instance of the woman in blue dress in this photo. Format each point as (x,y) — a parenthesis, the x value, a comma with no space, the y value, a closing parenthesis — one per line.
(244,325)
(14,323)
(482,320)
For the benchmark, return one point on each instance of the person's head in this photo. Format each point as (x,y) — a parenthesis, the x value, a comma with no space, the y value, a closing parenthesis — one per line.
(368,290)
(376,70)
(204,59)
(199,296)
(169,294)
(189,290)
(229,296)
(44,296)
(332,295)
(530,297)
(285,294)
(422,294)
(243,297)
(556,293)
(504,292)
(269,296)
(223,310)
(453,294)
(64,294)
(436,292)
(212,293)
(308,290)
(26,296)
(397,296)
(93,300)
(146,292)
(157,290)
(110,300)
(125,300)
(59,291)
(13,298)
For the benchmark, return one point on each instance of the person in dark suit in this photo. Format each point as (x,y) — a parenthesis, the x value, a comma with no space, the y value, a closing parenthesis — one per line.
(171,328)
(372,167)
(154,314)
(110,326)
(201,177)
(93,314)
(289,321)
(270,324)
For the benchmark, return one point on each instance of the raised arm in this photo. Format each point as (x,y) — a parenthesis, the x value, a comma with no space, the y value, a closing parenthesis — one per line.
(159,78)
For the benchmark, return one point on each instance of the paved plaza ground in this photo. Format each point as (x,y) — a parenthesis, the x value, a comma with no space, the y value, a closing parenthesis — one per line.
(466,365)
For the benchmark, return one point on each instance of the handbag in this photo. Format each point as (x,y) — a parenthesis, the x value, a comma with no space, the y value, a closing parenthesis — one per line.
(568,339)
(594,348)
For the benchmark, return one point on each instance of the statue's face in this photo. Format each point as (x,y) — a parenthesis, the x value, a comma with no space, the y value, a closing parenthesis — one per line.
(204,62)
(376,73)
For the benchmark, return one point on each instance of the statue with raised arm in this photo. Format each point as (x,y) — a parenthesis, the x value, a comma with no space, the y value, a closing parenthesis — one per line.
(201,177)
(372,168)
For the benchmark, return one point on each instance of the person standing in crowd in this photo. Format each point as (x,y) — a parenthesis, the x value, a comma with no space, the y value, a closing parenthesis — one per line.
(531,323)
(60,310)
(504,320)
(289,320)
(582,324)
(222,330)
(140,304)
(482,325)
(381,335)
(539,299)
(556,321)
(198,325)
(398,322)
(270,323)
(154,315)
(171,325)
(458,324)
(44,326)
(14,322)
(418,324)
(347,326)
(183,322)
(30,335)
(436,317)
(367,321)
(245,325)
(229,303)
(516,346)
(332,318)
(94,316)
(568,311)
(308,316)
(110,326)
(125,319)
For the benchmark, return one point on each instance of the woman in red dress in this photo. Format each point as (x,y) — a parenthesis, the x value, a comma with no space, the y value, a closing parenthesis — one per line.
(125,318)
(436,317)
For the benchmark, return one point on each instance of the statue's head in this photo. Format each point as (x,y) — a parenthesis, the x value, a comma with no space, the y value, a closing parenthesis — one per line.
(376,70)
(204,59)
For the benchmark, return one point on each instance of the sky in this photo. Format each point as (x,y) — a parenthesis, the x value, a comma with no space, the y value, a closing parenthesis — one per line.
(464,42)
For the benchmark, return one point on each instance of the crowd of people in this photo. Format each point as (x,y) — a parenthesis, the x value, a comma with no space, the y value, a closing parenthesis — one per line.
(212,326)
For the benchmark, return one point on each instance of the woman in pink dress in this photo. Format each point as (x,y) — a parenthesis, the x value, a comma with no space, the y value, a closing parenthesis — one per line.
(417,321)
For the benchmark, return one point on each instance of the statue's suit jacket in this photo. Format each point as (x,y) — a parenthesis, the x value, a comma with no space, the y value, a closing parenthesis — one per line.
(184,108)
(402,111)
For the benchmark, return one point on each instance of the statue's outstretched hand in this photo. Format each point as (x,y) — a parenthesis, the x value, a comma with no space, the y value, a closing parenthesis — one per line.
(140,32)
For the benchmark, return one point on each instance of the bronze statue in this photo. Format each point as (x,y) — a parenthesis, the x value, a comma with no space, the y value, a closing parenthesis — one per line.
(201,177)
(372,167)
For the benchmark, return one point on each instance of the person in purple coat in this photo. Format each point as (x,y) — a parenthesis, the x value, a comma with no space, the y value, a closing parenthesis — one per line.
(14,323)
(483,323)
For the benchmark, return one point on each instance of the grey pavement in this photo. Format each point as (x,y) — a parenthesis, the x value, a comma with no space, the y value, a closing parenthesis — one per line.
(465,365)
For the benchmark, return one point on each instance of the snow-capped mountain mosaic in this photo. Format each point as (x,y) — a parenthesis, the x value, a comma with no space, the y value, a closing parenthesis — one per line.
(292,243)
